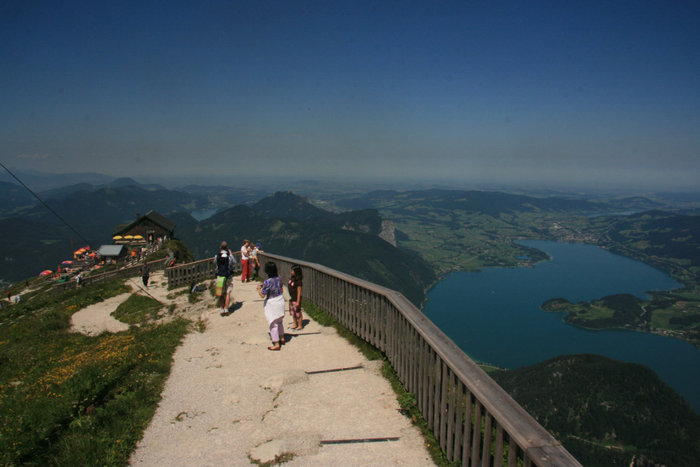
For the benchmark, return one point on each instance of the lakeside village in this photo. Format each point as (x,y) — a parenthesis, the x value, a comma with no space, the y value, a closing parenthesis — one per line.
(131,244)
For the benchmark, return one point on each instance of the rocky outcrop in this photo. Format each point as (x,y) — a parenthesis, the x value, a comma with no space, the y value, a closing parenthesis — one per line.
(388,232)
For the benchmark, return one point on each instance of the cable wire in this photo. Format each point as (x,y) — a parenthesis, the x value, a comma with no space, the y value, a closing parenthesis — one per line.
(87,242)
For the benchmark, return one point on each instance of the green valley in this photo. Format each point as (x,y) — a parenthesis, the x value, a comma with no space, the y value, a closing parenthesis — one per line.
(467,230)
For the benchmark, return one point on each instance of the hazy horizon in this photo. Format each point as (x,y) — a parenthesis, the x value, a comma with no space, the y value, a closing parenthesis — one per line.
(40,181)
(577,94)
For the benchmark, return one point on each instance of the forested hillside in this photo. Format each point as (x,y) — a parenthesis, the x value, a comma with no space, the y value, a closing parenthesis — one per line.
(287,224)
(34,238)
(605,411)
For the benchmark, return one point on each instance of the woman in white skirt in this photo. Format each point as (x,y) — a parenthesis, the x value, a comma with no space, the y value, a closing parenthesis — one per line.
(271,290)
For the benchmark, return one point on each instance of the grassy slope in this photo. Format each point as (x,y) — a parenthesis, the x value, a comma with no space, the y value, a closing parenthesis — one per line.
(69,399)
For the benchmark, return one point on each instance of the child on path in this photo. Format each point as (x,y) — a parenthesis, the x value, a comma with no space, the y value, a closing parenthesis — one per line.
(294,286)
(271,291)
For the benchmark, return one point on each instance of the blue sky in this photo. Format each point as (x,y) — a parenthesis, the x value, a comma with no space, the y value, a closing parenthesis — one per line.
(600,94)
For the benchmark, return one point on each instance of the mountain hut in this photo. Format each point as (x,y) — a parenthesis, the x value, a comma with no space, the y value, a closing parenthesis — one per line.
(145,229)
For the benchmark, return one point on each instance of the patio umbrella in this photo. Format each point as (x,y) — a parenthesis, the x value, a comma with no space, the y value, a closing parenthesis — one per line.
(138,237)
(67,262)
(45,272)
(128,237)
(117,237)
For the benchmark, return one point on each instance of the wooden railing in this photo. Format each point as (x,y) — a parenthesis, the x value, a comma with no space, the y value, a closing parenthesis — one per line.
(472,417)
(474,420)
(199,271)
(117,273)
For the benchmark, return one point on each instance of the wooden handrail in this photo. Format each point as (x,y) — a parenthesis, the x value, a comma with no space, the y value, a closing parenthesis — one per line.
(197,271)
(473,418)
(116,273)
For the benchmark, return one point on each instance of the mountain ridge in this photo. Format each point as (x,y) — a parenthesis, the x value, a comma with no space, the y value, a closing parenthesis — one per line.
(348,242)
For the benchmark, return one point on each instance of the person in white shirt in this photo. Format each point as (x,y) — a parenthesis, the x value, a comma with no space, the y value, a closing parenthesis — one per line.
(245,263)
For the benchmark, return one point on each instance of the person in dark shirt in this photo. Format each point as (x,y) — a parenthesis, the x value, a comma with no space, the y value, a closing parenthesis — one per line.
(294,286)
(145,274)
(224,270)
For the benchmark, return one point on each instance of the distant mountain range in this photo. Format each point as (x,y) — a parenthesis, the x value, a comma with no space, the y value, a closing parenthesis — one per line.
(34,238)
(40,181)
(289,225)
(358,241)
(491,202)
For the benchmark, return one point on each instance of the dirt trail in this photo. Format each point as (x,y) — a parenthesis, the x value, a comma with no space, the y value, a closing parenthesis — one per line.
(229,400)
(96,319)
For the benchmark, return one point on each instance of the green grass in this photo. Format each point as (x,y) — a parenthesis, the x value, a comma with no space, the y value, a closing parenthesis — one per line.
(69,399)
(137,309)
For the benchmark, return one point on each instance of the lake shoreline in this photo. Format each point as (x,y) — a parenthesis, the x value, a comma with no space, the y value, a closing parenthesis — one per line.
(495,314)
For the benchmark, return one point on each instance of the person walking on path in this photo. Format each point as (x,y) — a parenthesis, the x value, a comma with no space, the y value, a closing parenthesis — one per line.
(294,286)
(245,263)
(145,274)
(224,270)
(271,291)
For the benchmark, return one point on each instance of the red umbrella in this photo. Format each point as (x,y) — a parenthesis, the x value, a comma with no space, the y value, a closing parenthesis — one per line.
(67,262)
(45,272)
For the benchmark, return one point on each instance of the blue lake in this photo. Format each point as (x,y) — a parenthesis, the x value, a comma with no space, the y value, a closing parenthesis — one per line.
(494,315)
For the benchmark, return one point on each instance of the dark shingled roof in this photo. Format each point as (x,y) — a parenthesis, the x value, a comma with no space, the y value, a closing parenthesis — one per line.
(167,224)
(155,217)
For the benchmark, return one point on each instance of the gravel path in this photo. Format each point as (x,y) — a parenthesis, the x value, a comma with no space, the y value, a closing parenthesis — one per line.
(230,401)
(96,319)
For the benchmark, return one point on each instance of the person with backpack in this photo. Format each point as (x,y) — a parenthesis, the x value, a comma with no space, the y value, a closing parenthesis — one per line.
(145,274)
(224,261)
